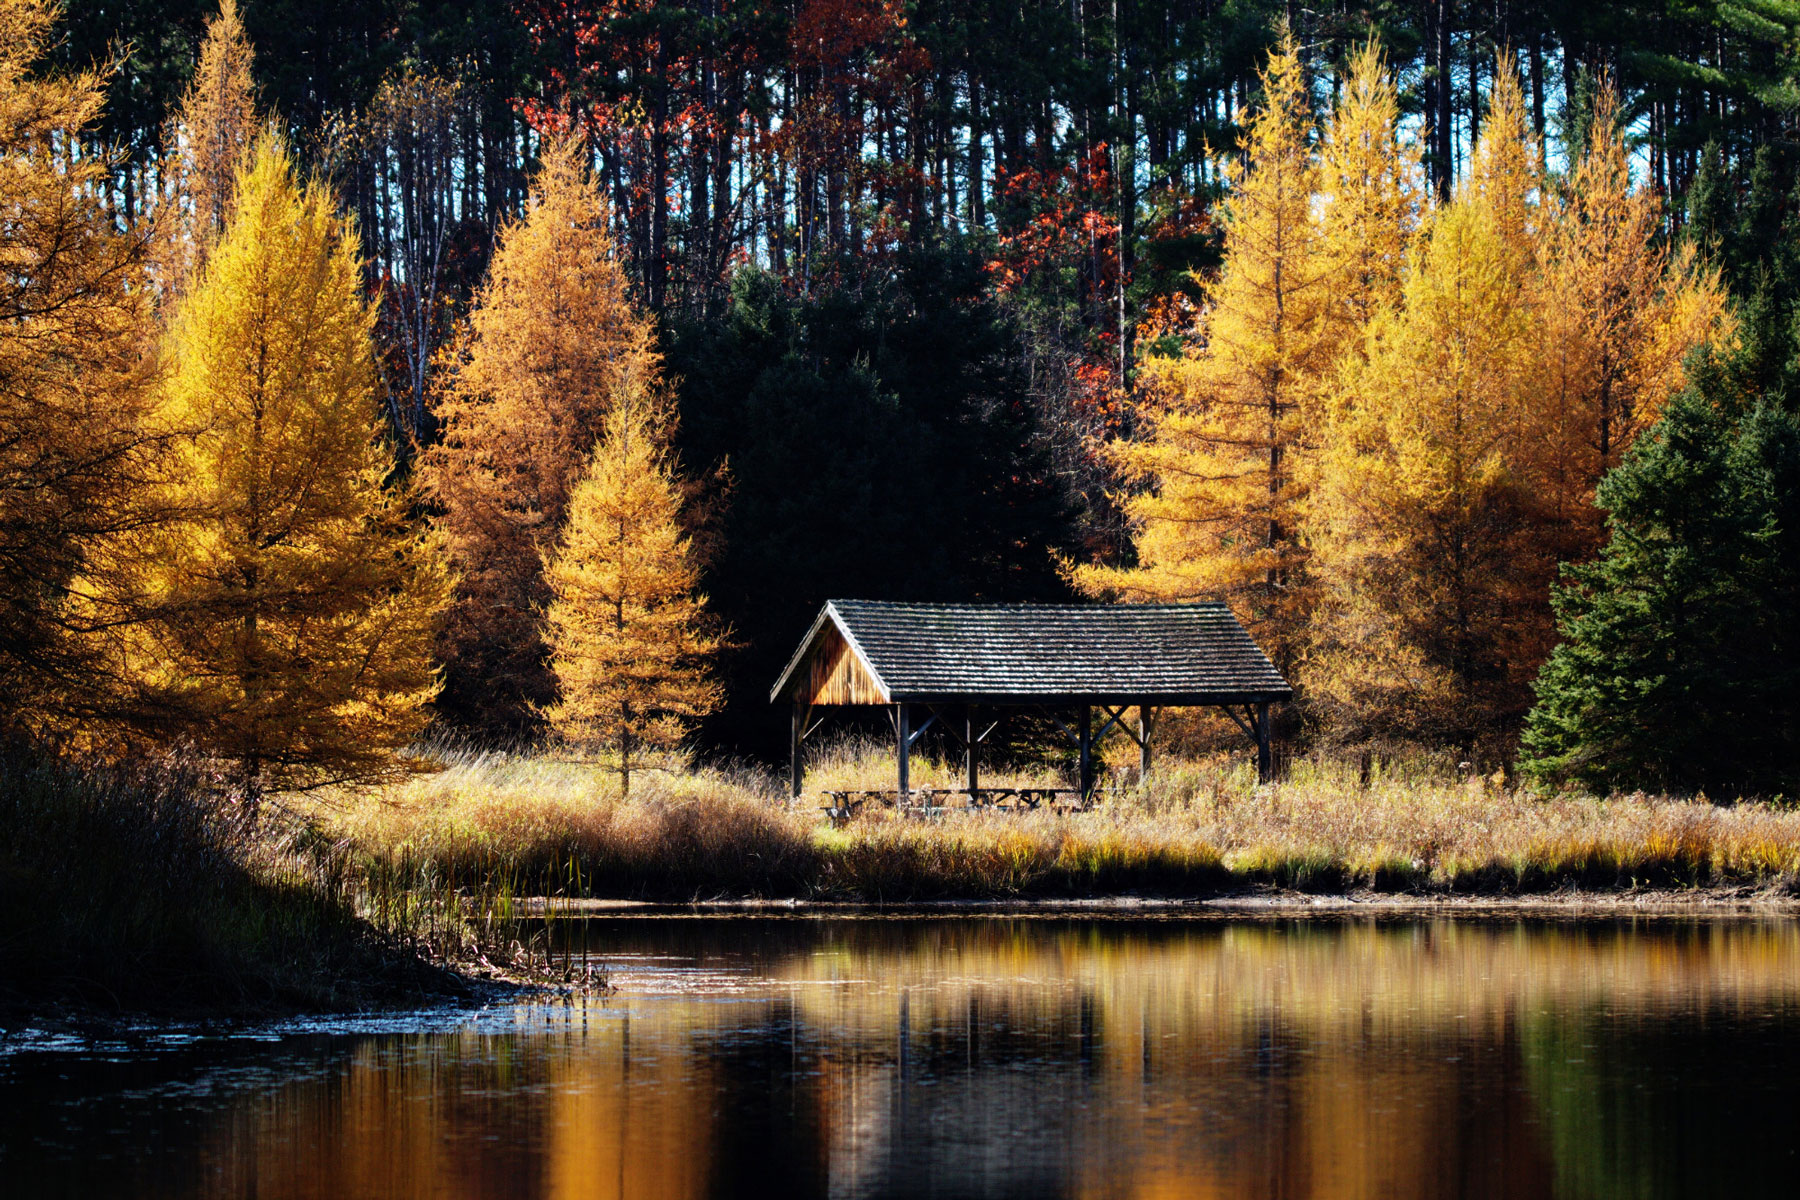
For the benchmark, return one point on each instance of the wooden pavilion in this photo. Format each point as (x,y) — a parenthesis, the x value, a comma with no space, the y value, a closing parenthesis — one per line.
(951,664)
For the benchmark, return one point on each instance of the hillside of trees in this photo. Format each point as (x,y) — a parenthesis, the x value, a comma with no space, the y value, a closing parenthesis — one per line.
(540,368)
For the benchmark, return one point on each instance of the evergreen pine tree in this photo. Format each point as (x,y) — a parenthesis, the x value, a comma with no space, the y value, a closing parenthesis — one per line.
(294,602)
(627,629)
(1679,666)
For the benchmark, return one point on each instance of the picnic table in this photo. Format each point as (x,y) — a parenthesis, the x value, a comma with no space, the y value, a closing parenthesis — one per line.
(841,805)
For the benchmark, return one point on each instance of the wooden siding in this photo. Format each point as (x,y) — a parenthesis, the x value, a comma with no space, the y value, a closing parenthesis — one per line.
(834,675)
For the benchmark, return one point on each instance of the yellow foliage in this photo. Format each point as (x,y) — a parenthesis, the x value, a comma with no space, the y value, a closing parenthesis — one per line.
(211,133)
(1374,196)
(627,629)
(1504,176)
(553,342)
(1621,313)
(1423,526)
(1223,460)
(75,445)
(1389,429)
(1535,339)
(293,602)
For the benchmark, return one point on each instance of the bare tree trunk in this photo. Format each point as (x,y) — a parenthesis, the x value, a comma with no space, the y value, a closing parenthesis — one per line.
(656,264)
(977,211)
(1537,89)
(1438,104)
(1474,90)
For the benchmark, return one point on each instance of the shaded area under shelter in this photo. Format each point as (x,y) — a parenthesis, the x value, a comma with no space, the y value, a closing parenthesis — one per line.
(1084,666)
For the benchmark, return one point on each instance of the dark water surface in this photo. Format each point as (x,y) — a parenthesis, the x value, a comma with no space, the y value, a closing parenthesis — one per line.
(996,1056)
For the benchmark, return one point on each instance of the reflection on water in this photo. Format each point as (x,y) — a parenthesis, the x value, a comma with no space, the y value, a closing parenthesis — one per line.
(991,1057)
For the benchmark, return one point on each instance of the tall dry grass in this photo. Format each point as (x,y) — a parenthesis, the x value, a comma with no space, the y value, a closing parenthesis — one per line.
(499,827)
(138,887)
(1413,828)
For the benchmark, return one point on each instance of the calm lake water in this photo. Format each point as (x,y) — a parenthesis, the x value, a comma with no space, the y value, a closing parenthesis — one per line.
(997,1056)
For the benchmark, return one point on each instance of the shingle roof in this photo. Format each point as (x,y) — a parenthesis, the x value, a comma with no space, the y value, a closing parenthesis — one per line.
(1039,653)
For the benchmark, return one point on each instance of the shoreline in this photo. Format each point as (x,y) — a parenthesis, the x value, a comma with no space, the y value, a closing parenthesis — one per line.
(468,987)
(1259,902)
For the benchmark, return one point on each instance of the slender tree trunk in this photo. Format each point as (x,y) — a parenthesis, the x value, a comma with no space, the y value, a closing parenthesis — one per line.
(656,264)
(724,146)
(1125,176)
(843,146)
(1474,90)
(977,211)
(1537,90)
(1438,102)
(915,146)
(778,190)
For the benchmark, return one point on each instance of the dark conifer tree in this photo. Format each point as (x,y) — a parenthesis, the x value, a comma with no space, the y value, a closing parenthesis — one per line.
(1680,662)
(877,443)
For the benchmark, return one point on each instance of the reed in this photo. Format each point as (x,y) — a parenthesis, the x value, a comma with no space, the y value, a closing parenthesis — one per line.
(495,825)
(139,887)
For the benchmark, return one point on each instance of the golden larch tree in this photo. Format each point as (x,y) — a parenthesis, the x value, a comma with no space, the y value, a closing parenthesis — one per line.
(1225,426)
(629,634)
(1374,196)
(1621,314)
(1505,171)
(1429,624)
(211,133)
(552,342)
(295,602)
(77,447)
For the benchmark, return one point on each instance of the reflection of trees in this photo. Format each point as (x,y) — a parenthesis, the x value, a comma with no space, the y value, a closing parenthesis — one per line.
(561,1107)
(1028,1058)
(1156,1074)
(1608,1084)
(1329,1060)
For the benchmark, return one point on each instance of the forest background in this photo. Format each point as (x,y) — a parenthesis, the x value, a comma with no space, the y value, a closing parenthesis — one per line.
(913,269)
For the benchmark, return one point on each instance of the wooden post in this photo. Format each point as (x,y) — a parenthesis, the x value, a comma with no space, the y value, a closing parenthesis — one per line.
(969,748)
(794,739)
(905,749)
(1145,718)
(1085,769)
(1265,765)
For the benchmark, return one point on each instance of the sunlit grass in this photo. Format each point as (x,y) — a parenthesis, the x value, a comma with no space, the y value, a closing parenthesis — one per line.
(519,825)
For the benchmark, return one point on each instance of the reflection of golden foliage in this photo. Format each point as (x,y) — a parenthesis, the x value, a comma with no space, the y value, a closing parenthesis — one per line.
(624,1125)
(1212,982)
(1384,1034)
(1138,1057)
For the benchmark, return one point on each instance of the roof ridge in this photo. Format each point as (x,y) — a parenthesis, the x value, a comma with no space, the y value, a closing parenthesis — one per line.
(999,605)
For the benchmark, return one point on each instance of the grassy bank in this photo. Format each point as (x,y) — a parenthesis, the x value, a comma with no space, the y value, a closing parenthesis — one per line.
(138,889)
(499,827)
